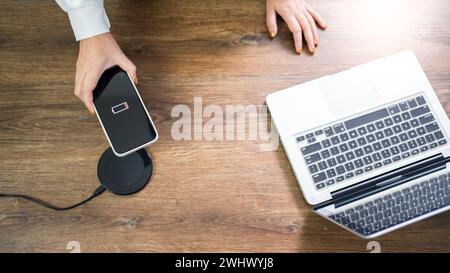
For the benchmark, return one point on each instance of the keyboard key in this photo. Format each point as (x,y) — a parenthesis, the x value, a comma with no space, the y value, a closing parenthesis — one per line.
(313,169)
(331,173)
(349,166)
(313,158)
(322,165)
(379,125)
(328,131)
(406,126)
(339,128)
(385,143)
(394,109)
(420,111)
(379,135)
(352,144)
(341,159)
(442,142)
(349,156)
(388,122)
(414,123)
(343,147)
(376,157)
(403,106)
(394,140)
(359,152)
(330,182)
(353,134)
(412,134)
(335,140)
(438,135)
(325,154)
(318,132)
(385,153)
(420,100)
(311,148)
(344,137)
(340,169)
(388,132)
(358,163)
(362,131)
(320,186)
(421,131)
(430,138)
(426,119)
(311,140)
(397,118)
(412,103)
(397,129)
(331,162)
(334,150)
(377,146)
(367,118)
(432,127)
(319,177)
(368,149)
(367,160)
(406,116)
(326,143)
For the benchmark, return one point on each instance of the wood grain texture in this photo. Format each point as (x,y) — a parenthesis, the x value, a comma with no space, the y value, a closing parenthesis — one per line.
(204,196)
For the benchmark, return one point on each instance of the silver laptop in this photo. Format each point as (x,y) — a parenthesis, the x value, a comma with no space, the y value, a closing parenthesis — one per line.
(369,146)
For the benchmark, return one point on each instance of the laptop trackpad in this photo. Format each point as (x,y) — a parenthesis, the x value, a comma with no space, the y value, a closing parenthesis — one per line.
(349,93)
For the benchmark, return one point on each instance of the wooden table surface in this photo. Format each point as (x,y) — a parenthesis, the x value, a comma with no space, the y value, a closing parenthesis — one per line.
(205,196)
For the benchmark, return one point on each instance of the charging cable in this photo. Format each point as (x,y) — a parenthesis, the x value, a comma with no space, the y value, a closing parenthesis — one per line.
(37,201)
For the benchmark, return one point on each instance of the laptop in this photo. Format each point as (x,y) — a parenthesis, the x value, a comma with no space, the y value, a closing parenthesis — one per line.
(369,146)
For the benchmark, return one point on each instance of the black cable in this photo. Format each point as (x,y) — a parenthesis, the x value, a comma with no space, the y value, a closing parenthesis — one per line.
(96,193)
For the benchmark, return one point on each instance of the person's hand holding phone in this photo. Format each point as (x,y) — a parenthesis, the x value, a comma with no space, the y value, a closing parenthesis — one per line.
(97,54)
(300,18)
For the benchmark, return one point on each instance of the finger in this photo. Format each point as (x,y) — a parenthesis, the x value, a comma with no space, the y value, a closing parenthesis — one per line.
(129,67)
(316,17)
(89,83)
(313,27)
(307,31)
(78,81)
(296,30)
(271,20)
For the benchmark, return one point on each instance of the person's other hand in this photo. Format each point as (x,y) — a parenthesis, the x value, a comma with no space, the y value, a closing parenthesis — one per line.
(97,54)
(299,17)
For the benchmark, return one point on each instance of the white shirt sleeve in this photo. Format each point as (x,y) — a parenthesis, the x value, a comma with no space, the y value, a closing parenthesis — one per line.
(87,17)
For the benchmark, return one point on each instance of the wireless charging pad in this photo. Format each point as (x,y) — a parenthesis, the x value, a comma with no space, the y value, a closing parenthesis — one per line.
(124,175)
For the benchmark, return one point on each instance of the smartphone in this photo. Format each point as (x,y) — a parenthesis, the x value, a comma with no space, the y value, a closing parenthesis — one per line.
(122,113)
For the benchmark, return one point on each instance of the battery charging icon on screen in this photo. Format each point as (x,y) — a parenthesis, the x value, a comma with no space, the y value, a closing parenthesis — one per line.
(119,108)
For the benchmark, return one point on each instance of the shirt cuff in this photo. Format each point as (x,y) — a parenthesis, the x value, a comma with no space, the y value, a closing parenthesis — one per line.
(89,21)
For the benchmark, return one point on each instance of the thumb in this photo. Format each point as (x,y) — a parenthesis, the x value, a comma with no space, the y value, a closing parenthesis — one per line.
(129,67)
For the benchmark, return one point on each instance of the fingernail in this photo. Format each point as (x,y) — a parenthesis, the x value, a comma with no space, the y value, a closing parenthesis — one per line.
(272,34)
(312,50)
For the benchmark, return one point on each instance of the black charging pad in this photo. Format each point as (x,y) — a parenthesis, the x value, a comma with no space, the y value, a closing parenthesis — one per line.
(124,175)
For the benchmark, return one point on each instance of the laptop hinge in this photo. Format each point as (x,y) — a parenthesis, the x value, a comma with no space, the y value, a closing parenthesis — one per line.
(385,181)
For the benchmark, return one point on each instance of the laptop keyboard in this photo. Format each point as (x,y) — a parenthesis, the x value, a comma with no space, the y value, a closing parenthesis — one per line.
(397,207)
(343,150)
